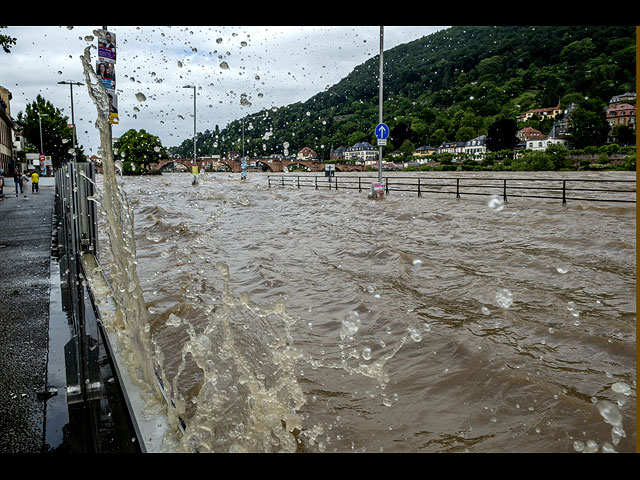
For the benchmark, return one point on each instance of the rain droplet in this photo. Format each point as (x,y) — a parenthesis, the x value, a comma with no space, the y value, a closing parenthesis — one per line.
(366,353)
(140,97)
(496,203)
(504,298)
(350,325)
(415,334)
(224,66)
(621,387)
(610,413)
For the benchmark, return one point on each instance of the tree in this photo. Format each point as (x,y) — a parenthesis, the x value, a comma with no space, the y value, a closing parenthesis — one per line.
(438,137)
(57,138)
(588,125)
(407,148)
(624,135)
(139,149)
(558,155)
(6,41)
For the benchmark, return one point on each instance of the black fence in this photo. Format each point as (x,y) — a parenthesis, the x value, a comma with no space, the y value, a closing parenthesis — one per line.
(575,189)
(94,415)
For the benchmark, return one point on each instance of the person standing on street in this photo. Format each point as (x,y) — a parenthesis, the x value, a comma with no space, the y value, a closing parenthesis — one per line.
(17,181)
(34,182)
(24,185)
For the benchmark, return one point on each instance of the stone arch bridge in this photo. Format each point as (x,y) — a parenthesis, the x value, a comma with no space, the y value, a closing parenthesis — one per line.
(272,164)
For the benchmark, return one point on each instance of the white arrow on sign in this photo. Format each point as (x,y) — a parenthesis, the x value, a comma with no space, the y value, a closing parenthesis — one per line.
(382,131)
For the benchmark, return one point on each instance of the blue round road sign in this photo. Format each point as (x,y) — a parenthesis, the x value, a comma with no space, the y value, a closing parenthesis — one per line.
(382,131)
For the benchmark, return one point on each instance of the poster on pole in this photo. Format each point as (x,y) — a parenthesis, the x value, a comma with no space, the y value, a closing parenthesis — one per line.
(106,70)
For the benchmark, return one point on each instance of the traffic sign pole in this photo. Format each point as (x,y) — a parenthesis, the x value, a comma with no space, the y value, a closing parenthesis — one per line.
(380,107)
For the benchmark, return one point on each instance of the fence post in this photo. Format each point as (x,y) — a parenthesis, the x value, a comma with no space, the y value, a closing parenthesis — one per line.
(457,188)
(564,193)
(298,181)
(269,180)
(282,177)
(359,185)
(387,185)
(419,193)
(316,177)
(504,190)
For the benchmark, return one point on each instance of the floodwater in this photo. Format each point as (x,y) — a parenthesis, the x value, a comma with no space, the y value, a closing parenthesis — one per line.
(306,320)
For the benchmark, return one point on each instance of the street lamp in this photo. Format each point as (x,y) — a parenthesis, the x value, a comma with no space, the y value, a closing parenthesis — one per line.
(40,115)
(73,123)
(194,120)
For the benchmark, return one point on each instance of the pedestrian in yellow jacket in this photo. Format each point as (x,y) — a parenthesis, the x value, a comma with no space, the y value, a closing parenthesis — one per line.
(34,182)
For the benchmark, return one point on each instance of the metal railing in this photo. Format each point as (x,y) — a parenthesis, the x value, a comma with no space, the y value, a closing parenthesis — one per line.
(100,419)
(591,190)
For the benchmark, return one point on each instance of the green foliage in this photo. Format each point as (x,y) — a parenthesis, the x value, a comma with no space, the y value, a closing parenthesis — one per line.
(6,42)
(588,125)
(137,150)
(461,77)
(57,139)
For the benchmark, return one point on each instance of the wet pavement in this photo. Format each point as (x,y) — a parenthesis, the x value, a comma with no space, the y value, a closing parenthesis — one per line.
(25,252)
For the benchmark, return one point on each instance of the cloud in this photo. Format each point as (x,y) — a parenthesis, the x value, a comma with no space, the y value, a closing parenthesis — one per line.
(272,65)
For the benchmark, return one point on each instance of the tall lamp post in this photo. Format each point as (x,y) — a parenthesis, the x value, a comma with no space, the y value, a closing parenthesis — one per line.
(194,120)
(73,122)
(40,115)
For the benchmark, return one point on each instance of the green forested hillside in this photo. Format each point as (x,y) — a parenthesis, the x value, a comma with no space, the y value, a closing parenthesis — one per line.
(450,85)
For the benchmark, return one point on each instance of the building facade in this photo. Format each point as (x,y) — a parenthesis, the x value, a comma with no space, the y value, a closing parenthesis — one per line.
(307,154)
(541,144)
(622,114)
(548,112)
(6,132)
(362,151)
(476,147)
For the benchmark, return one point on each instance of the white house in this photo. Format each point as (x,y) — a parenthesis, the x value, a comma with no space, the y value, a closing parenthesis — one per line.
(363,151)
(541,144)
(476,147)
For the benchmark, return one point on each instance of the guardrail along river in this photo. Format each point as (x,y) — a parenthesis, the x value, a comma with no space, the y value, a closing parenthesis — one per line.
(307,320)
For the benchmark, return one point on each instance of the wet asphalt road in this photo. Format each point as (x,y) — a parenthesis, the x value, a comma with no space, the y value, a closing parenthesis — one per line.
(25,254)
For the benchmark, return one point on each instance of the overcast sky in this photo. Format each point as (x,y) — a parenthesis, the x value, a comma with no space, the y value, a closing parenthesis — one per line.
(269,66)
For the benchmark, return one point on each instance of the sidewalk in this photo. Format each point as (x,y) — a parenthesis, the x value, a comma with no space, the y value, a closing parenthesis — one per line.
(25,249)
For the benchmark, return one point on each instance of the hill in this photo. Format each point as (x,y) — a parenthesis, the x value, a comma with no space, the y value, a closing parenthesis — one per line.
(447,86)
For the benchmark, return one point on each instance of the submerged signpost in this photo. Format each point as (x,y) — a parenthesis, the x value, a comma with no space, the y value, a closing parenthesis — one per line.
(381,132)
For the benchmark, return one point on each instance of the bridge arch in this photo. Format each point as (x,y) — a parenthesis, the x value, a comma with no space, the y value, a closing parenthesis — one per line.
(273,165)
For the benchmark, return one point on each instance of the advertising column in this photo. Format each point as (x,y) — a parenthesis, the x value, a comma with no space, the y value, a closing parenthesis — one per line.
(106,70)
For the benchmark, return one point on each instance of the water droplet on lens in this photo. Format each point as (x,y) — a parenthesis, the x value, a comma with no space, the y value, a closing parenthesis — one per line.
(350,325)
(621,387)
(366,353)
(496,203)
(610,413)
(504,298)
(415,335)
